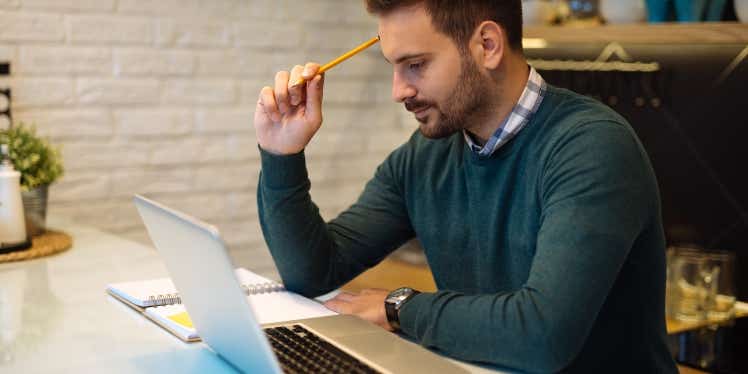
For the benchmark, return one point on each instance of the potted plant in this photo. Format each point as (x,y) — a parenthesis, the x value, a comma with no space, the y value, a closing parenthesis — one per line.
(40,165)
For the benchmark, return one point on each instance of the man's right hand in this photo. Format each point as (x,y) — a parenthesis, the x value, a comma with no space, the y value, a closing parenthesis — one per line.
(286,117)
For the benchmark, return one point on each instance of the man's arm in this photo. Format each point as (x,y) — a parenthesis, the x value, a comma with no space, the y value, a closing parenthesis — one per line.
(598,193)
(314,257)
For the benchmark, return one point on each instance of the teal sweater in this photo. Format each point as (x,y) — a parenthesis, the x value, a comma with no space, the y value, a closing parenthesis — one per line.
(548,256)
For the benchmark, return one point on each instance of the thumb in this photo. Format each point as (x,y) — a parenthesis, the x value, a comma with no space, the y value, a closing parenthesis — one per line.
(314,93)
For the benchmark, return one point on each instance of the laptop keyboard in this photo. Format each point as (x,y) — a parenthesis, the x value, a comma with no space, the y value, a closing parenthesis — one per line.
(301,351)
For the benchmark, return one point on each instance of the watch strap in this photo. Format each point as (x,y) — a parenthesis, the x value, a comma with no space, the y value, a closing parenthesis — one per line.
(392,309)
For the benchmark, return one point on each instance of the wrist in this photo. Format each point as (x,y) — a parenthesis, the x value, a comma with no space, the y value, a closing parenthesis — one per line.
(282,171)
(394,302)
(278,151)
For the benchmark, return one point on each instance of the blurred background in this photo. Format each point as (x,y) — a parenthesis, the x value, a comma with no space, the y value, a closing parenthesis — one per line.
(157,97)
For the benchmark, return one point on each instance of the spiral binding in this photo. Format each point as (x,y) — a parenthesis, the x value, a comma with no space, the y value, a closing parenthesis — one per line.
(249,289)
(260,288)
(165,299)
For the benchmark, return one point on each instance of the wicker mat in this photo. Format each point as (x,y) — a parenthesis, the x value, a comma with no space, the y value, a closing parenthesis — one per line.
(46,244)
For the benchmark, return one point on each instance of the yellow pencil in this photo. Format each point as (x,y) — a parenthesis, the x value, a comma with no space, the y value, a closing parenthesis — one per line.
(340,59)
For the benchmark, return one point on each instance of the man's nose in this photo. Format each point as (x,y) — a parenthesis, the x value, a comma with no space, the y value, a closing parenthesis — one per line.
(401,89)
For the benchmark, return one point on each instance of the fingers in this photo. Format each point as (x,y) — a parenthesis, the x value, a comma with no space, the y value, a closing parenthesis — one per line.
(345,296)
(268,104)
(281,91)
(369,291)
(296,91)
(341,303)
(306,72)
(342,307)
(310,70)
(283,97)
(314,93)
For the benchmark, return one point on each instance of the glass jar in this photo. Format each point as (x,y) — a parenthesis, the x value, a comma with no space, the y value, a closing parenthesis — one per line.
(583,9)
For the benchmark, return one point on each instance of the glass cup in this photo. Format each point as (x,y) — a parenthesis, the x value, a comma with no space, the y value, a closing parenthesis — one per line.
(719,279)
(700,285)
(687,294)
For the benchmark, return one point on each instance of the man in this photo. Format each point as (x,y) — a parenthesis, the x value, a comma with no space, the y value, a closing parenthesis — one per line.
(536,207)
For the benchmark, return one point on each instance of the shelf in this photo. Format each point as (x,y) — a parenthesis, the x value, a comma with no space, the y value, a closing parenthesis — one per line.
(676,327)
(663,33)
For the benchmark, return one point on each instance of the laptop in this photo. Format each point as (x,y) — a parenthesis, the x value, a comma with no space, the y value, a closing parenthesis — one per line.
(199,265)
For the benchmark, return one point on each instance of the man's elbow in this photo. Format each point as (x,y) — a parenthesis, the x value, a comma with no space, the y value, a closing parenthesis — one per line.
(547,360)
(557,352)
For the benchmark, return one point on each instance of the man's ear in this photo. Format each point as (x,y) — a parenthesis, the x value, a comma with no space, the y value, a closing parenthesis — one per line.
(489,42)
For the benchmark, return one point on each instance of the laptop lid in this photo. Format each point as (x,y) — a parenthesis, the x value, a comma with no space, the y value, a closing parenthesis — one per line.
(199,265)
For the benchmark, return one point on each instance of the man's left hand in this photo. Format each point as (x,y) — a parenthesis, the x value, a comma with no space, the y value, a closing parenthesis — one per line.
(368,305)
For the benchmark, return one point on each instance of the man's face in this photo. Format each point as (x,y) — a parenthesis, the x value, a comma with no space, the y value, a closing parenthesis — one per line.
(443,88)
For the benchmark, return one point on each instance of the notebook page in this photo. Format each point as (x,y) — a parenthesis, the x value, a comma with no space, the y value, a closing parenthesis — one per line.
(248,277)
(285,306)
(280,306)
(137,292)
(174,318)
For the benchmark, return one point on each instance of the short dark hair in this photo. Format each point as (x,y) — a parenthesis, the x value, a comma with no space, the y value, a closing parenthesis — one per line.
(459,18)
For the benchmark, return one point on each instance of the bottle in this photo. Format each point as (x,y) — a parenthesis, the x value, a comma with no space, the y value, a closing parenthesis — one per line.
(12,223)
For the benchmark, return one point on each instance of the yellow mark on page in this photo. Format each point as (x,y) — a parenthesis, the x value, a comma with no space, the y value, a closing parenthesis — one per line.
(183,319)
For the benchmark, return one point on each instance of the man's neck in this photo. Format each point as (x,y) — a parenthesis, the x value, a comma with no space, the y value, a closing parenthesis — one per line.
(505,97)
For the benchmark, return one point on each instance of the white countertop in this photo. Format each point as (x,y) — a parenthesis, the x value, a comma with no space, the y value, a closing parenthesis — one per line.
(55,316)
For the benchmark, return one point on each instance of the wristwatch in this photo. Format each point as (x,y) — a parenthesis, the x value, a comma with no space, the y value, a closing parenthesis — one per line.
(394,301)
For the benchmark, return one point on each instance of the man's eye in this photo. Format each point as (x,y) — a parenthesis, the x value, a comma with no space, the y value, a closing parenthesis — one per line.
(415,65)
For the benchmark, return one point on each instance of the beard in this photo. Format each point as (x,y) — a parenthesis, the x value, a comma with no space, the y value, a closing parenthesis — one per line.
(468,101)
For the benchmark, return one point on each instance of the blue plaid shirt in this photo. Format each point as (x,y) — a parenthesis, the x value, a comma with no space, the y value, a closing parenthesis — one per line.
(527,105)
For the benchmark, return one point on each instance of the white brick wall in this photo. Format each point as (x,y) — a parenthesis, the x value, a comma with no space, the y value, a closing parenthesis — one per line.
(199,91)
(138,61)
(70,124)
(64,60)
(158,96)
(262,33)
(70,5)
(102,91)
(9,4)
(28,92)
(110,29)
(24,26)
(153,122)
(193,33)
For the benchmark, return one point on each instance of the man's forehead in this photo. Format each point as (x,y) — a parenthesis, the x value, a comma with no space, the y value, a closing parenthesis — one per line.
(407,31)
(413,19)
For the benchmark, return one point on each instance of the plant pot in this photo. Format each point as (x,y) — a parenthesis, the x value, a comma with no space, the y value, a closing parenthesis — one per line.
(35,210)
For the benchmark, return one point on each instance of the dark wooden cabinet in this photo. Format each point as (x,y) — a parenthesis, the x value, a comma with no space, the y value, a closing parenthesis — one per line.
(684,89)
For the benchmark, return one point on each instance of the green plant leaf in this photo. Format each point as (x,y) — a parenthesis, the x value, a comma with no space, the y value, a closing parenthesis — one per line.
(35,158)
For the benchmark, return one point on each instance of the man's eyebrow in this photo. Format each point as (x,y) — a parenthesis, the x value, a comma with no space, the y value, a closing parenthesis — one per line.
(407,57)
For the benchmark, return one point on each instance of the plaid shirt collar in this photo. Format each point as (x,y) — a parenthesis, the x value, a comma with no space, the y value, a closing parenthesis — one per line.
(527,105)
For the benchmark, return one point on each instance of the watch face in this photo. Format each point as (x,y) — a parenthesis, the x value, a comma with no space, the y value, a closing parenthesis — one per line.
(399,294)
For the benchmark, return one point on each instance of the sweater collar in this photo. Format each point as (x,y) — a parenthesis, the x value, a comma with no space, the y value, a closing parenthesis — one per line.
(526,106)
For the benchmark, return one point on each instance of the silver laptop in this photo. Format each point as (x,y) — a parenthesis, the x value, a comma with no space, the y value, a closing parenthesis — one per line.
(199,265)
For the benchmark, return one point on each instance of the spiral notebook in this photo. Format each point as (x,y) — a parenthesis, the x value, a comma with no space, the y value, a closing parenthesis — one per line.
(158,300)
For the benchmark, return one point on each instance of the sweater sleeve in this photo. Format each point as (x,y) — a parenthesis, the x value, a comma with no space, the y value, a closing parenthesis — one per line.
(314,257)
(597,194)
